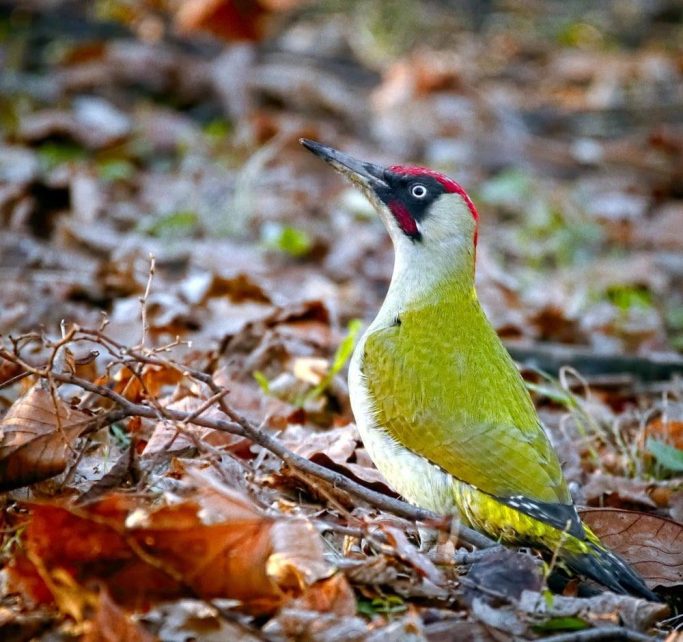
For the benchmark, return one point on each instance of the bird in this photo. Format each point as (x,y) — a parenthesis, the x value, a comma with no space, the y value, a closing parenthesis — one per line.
(440,405)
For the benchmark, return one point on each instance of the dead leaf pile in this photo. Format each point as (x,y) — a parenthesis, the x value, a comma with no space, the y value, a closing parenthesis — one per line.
(216,545)
(137,504)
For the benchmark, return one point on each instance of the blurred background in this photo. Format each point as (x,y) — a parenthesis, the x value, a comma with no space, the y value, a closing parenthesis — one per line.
(138,127)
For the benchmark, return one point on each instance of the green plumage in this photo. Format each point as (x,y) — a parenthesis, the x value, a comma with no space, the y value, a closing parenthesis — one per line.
(443,385)
(439,403)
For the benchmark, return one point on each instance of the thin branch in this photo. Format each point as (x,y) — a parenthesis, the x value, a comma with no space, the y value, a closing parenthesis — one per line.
(239,425)
(143,301)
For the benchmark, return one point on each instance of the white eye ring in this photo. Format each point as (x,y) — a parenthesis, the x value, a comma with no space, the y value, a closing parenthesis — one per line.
(418,191)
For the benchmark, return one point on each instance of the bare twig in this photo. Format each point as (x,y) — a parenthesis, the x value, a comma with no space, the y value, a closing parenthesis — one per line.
(239,425)
(143,301)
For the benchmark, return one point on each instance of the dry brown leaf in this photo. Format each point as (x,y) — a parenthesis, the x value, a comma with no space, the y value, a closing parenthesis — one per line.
(457,629)
(653,545)
(90,544)
(112,624)
(675,501)
(125,470)
(8,371)
(505,572)
(293,555)
(36,437)
(189,619)
(336,445)
(238,288)
(148,383)
(665,229)
(603,609)
(17,625)
(226,19)
(333,449)
(669,430)
(167,438)
(409,554)
(92,122)
(331,595)
(617,492)
(221,18)
(305,624)
(220,545)
(370,477)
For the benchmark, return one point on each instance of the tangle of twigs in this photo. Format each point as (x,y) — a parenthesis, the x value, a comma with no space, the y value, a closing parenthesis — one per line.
(136,358)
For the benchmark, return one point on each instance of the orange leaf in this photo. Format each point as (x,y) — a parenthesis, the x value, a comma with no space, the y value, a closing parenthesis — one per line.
(670,431)
(36,437)
(227,19)
(231,19)
(333,595)
(653,545)
(220,545)
(112,624)
(148,384)
(88,543)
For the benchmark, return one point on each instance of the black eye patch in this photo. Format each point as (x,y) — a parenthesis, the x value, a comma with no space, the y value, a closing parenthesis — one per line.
(399,188)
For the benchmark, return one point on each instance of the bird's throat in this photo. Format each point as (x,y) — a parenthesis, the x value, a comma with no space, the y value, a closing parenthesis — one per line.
(420,280)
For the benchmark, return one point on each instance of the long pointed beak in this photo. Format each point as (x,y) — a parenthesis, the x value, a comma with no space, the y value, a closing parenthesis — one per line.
(358,171)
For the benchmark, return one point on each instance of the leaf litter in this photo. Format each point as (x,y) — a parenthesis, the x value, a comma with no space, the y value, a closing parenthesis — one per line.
(136,501)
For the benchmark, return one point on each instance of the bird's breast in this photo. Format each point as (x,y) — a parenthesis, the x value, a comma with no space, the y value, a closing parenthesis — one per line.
(408,473)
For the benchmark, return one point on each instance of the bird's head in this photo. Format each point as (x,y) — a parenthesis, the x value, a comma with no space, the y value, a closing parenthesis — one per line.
(424,211)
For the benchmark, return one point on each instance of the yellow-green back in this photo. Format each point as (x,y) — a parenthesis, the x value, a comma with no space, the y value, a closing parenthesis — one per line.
(442,384)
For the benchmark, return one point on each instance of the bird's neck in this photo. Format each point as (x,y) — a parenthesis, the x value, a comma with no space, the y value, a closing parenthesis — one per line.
(441,278)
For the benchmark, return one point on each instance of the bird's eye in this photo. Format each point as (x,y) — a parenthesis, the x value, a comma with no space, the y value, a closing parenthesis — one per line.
(418,191)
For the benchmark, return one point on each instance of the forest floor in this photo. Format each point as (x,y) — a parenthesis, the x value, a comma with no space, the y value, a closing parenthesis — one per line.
(183,284)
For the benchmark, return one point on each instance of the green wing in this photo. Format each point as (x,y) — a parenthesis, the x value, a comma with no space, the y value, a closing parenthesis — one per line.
(447,389)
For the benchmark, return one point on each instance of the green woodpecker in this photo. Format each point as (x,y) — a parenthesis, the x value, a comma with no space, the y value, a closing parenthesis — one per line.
(440,406)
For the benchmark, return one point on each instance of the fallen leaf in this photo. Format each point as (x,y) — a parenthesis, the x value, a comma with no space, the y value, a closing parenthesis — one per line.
(309,88)
(331,595)
(18,165)
(617,491)
(36,437)
(410,555)
(669,429)
(408,628)
(606,608)
(456,629)
(126,469)
(333,449)
(504,572)
(186,619)
(664,230)
(147,384)
(167,438)
(336,445)
(220,545)
(93,123)
(304,624)
(501,618)
(230,19)
(18,626)
(676,506)
(9,372)
(113,624)
(653,545)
